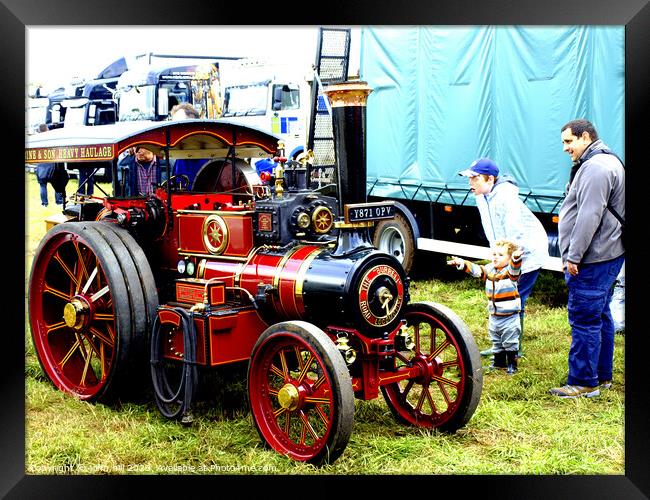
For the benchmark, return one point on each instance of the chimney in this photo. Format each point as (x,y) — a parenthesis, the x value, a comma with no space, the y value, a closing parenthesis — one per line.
(348,104)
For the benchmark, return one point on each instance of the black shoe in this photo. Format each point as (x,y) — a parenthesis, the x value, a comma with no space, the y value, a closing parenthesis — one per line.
(499,361)
(511,361)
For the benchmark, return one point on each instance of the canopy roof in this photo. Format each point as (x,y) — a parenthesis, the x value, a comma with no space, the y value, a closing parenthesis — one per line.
(199,138)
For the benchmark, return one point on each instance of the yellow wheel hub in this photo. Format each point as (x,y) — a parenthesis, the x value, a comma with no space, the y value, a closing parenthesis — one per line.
(74,313)
(288,397)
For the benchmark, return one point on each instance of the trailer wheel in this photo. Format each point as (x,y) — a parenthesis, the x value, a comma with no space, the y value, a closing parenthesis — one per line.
(300,393)
(395,237)
(447,390)
(91,294)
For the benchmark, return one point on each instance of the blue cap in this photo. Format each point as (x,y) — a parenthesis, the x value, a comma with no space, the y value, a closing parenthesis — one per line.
(481,166)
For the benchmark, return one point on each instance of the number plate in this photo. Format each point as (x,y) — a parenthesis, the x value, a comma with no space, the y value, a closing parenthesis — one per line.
(362,212)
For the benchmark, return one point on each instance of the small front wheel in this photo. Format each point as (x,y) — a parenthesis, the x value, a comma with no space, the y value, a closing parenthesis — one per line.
(447,390)
(300,393)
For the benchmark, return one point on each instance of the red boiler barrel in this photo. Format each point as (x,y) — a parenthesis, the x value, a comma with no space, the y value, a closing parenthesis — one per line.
(285,272)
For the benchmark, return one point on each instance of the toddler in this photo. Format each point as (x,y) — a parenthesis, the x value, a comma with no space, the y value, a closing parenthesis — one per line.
(504,304)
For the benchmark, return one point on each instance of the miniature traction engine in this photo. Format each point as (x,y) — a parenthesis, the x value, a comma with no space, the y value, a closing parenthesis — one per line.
(158,288)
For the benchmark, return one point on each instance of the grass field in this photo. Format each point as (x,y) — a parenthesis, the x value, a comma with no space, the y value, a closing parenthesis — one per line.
(518,428)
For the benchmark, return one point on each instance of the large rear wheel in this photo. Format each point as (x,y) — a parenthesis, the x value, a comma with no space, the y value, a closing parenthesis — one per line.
(301,393)
(448,388)
(91,301)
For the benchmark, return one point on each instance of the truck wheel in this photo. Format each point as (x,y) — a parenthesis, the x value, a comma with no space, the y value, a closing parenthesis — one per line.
(395,237)
(300,393)
(89,313)
(447,391)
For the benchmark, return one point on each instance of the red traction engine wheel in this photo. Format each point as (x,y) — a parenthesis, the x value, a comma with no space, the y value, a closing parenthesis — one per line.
(91,298)
(300,393)
(447,390)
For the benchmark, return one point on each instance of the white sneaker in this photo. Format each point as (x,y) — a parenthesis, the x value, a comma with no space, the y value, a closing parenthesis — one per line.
(575,391)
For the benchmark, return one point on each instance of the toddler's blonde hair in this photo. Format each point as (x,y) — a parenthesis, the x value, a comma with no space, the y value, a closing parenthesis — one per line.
(508,245)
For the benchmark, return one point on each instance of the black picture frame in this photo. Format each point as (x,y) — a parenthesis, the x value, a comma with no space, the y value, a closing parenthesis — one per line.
(15,15)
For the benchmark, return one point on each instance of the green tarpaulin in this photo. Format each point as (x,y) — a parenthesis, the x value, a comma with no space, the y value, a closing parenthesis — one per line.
(444,96)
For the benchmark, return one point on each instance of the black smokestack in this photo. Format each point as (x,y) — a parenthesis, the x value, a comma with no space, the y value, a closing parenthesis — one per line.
(348,100)
(348,103)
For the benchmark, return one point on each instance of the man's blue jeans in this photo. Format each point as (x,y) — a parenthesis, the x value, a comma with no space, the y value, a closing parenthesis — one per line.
(43,191)
(592,328)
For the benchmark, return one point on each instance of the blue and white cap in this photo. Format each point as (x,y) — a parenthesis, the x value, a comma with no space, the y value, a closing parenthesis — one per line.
(481,166)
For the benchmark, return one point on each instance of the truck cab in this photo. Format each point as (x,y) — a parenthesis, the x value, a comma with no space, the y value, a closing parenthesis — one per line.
(87,102)
(271,100)
(149,91)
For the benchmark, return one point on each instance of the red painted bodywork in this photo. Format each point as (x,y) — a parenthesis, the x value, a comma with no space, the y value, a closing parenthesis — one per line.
(239,234)
(227,332)
(280,271)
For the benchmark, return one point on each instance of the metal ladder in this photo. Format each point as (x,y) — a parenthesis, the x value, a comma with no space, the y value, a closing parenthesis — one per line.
(332,62)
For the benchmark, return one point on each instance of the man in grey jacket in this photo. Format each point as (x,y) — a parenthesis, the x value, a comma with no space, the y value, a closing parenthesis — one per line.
(592,255)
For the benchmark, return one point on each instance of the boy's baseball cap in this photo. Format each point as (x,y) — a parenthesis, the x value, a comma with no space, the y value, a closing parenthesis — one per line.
(481,166)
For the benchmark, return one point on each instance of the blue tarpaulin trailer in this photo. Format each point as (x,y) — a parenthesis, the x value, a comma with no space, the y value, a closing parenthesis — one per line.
(444,96)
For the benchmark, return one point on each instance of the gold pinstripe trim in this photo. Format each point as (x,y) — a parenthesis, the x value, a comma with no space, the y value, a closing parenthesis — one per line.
(215,257)
(281,264)
(277,278)
(222,213)
(302,271)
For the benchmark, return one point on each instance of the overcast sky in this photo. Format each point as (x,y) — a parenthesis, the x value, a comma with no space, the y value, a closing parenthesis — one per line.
(55,55)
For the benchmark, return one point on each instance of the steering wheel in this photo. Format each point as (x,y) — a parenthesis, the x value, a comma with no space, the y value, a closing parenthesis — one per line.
(180,182)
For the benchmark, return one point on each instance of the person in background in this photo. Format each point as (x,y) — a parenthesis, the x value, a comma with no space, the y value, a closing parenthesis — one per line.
(43,176)
(183,111)
(504,303)
(57,176)
(59,181)
(139,172)
(86,181)
(505,217)
(592,256)
(186,166)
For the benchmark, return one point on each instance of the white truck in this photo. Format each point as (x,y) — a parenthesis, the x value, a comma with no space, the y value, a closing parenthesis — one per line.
(270,97)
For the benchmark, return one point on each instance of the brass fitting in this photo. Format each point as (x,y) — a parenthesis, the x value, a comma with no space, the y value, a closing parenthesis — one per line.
(279,177)
(349,353)
(198,307)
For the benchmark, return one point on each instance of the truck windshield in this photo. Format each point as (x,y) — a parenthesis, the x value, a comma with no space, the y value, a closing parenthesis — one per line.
(74,116)
(245,100)
(137,103)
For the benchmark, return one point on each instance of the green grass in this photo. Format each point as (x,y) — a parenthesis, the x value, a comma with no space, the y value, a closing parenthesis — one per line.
(518,428)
